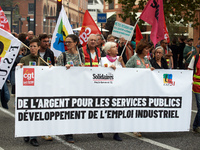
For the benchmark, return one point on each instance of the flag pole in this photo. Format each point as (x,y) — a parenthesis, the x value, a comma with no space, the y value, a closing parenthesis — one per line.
(25,45)
(132,32)
(44,61)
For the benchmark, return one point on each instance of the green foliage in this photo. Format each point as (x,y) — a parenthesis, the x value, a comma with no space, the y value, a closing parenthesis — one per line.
(182,11)
(4,3)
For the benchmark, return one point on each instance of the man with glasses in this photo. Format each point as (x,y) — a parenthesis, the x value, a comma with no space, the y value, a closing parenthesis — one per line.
(44,50)
(167,53)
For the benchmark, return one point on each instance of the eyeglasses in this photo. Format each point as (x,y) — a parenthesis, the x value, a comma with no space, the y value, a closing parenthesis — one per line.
(45,41)
(69,42)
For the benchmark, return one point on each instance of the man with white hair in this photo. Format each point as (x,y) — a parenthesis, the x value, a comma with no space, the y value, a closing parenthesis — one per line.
(30,36)
(91,52)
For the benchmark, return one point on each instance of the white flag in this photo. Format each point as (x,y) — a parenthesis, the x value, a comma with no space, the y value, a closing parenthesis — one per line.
(9,48)
(62,29)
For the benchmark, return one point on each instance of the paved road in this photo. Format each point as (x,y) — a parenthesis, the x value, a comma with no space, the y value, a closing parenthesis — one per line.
(155,141)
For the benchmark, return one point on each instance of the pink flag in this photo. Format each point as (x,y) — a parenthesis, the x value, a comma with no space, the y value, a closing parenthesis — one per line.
(153,14)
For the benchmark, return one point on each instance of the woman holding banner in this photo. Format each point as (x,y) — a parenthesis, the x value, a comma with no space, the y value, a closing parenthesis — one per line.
(140,61)
(32,59)
(69,58)
(113,61)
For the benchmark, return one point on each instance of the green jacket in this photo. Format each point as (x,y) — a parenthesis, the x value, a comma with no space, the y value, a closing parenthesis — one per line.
(136,62)
(30,59)
(186,50)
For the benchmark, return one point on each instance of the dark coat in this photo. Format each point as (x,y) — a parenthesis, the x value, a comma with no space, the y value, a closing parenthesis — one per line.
(156,66)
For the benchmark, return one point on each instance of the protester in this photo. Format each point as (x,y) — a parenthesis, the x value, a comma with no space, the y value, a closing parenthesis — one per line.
(15,34)
(198,45)
(110,38)
(47,55)
(175,52)
(4,96)
(113,61)
(195,66)
(50,38)
(158,62)
(44,50)
(29,38)
(188,52)
(33,59)
(100,43)
(91,52)
(71,58)
(167,53)
(181,48)
(21,53)
(140,61)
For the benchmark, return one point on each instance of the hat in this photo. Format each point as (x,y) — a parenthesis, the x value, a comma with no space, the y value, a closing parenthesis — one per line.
(189,39)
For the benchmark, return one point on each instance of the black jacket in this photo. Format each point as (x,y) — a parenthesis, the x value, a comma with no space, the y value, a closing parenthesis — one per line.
(49,53)
(156,66)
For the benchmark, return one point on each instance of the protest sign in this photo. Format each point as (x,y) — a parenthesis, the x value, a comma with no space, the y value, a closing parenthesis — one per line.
(122,30)
(56,101)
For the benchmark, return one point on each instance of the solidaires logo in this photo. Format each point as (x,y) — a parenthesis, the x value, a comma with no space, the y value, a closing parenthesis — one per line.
(167,80)
(103,78)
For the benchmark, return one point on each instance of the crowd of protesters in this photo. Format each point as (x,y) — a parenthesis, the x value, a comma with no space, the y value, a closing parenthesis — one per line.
(100,53)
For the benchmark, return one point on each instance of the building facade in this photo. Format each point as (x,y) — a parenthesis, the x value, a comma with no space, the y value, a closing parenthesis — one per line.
(95,7)
(45,14)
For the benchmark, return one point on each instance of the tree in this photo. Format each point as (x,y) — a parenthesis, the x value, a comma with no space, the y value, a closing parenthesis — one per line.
(4,3)
(182,11)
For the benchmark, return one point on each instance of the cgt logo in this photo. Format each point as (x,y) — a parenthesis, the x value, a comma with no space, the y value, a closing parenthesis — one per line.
(28,77)
(167,80)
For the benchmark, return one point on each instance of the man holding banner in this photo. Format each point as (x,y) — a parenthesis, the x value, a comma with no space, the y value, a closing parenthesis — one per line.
(91,52)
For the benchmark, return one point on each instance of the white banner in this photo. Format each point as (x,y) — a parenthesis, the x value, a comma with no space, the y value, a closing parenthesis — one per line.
(9,48)
(56,101)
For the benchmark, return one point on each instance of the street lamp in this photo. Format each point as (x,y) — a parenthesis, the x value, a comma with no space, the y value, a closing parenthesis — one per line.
(59,6)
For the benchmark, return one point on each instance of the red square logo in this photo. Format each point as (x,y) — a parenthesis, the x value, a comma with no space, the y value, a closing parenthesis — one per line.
(28,77)
(138,62)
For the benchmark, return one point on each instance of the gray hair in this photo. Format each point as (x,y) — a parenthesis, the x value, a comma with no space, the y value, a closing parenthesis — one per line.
(159,47)
(92,35)
(108,45)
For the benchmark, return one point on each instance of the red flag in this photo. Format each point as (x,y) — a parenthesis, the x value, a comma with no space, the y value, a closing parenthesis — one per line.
(138,36)
(3,21)
(153,14)
(166,34)
(88,27)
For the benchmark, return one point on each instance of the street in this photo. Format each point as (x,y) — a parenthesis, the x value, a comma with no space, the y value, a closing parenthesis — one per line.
(158,141)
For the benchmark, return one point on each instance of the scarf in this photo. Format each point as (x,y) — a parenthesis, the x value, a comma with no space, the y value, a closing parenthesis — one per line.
(111,59)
